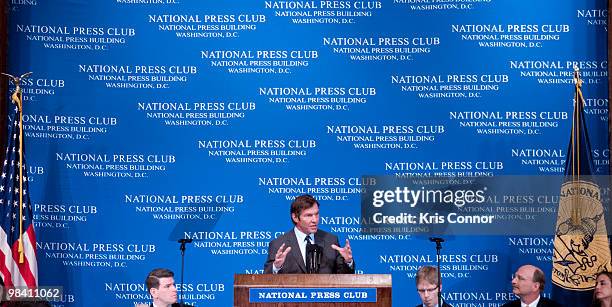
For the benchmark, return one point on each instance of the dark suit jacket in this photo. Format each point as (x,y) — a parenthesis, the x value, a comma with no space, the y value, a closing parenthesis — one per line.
(331,261)
(544,302)
(444,304)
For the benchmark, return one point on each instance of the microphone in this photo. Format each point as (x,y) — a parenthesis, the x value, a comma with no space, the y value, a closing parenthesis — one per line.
(435,239)
(313,258)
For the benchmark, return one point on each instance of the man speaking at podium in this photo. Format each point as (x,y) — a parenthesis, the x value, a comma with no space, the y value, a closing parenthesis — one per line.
(307,249)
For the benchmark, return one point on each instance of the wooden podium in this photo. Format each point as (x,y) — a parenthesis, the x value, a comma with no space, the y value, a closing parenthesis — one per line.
(335,284)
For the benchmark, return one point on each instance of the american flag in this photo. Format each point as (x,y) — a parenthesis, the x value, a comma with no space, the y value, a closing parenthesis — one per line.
(18,265)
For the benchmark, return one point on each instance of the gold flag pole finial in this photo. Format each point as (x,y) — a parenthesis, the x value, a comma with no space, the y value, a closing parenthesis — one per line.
(16,96)
(17,99)
(577,79)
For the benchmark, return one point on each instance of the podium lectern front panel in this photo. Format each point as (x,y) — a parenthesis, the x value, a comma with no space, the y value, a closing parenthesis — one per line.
(292,290)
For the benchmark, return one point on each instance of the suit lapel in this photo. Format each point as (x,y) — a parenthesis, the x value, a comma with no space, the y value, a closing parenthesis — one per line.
(296,253)
(319,238)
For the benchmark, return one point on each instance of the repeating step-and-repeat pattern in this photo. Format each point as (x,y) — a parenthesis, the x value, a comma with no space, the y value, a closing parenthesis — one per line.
(147,121)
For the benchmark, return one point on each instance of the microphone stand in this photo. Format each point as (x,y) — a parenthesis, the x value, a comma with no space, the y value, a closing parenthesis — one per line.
(313,258)
(438,248)
(182,248)
(316,261)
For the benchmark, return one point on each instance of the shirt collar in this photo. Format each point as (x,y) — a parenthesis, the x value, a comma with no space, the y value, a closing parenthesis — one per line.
(301,236)
(532,304)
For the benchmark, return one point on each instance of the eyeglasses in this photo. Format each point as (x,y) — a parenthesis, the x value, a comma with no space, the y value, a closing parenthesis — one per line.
(425,291)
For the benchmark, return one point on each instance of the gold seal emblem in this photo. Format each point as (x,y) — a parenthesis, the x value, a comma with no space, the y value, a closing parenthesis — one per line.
(581,248)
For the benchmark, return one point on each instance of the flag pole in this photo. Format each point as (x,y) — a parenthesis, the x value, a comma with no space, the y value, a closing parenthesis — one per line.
(19,102)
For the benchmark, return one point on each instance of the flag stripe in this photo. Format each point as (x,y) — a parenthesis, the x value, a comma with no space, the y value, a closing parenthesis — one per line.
(27,277)
(7,264)
(31,252)
(23,269)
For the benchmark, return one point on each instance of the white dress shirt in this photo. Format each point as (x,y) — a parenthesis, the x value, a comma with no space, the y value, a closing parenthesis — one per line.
(533,304)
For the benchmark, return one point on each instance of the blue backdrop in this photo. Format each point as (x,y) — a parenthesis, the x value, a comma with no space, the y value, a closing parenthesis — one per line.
(152,120)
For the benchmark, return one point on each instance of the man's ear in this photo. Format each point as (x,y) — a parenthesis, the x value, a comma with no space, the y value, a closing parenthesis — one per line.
(295,218)
(153,292)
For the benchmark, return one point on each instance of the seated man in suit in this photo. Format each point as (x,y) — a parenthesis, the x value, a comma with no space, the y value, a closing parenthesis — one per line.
(287,254)
(427,286)
(527,283)
(160,284)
